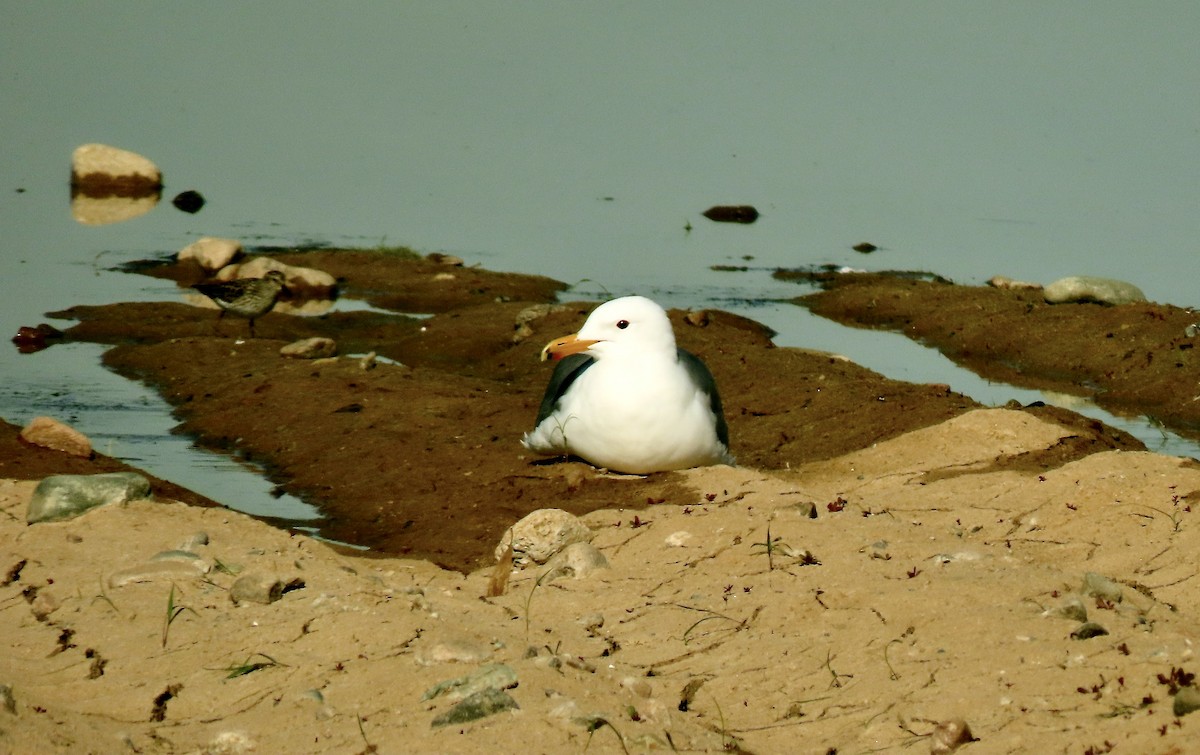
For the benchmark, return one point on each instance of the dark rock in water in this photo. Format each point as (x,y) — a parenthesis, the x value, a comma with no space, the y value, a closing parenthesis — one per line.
(29,340)
(479,705)
(67,496)
(865,247)
(741,213)
(188,201)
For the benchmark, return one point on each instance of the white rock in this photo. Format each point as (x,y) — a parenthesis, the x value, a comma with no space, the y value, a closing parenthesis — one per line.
(1082,288)
(541,534)
(1001,281)
(678,539)
(230,743)
(212,253)
(113,163)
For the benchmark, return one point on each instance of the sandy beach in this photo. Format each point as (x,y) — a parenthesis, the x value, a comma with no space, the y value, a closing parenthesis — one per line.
(888,561)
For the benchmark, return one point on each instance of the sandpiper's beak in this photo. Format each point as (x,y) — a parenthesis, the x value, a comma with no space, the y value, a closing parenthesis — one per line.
(565,346)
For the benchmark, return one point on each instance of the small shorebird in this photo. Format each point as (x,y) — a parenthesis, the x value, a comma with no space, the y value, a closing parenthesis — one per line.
(245,297)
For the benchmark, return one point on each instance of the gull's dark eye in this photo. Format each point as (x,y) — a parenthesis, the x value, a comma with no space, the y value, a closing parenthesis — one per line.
(622,324)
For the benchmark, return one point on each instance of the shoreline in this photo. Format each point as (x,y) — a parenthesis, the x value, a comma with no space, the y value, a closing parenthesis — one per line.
(926,561)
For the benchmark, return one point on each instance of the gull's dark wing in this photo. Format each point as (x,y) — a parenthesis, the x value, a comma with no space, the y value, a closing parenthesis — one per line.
(703,378)
(565,372)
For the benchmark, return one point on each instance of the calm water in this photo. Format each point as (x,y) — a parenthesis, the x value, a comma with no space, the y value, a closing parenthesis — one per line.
(581,140)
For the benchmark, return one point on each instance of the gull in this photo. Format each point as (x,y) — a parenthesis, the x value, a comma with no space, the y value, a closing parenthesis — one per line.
(625,398)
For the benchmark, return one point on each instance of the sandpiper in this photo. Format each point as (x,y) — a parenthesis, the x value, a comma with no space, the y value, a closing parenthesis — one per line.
(246,297)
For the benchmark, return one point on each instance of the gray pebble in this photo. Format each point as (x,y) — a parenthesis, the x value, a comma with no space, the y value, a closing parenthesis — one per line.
(1072,608)
(576,561)
(158,570)
(256,588)
(479,705)
(67,496)
(1100,586)
(591,622)
(186,557)
(453,649)
(1087,630)
(313,694)
(802,509)
(949,736)
(495,676)
(1187,699)
(194,541)
(44,604)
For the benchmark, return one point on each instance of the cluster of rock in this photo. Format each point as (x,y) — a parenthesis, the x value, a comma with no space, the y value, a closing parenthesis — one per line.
(221,258)
(109,185)
(1108,593)
(62,497)
(561,543)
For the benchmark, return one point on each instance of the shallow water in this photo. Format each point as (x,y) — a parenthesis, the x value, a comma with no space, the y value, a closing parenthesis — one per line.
(582,141)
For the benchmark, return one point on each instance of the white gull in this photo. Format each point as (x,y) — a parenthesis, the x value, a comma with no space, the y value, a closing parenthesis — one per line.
(625,398)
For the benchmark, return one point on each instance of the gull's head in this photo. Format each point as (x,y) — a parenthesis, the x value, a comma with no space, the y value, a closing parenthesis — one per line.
(629,325)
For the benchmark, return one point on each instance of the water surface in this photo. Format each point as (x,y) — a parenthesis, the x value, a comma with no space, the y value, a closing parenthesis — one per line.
(583,140)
